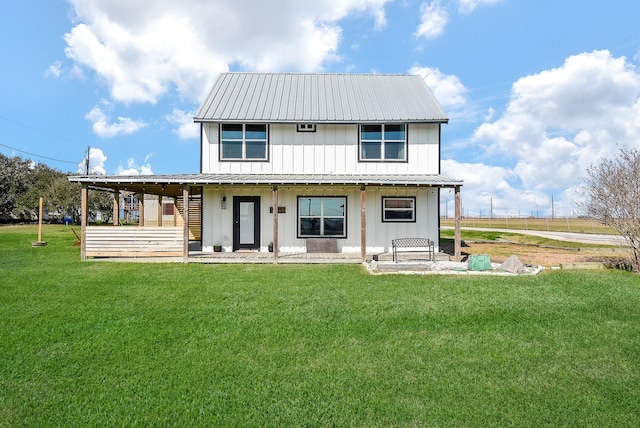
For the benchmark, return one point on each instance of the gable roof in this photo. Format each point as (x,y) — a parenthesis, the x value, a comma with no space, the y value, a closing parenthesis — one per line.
(318,98)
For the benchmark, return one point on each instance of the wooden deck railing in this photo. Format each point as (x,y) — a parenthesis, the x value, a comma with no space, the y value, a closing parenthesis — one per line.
(123,241)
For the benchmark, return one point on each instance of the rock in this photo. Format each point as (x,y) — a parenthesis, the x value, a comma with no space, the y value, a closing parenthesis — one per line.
(513,265)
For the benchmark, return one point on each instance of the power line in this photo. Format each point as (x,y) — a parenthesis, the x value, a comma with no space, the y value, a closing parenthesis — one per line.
(37,130)
(37,155)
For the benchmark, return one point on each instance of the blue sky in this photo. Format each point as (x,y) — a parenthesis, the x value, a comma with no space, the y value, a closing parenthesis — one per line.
(536,91)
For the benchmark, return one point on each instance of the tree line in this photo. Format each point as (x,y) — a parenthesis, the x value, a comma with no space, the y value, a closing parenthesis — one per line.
(23,182)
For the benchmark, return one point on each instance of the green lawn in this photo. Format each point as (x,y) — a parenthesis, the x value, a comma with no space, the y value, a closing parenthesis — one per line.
(132,344)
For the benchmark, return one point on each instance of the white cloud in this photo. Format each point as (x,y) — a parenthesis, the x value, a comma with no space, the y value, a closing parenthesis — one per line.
(144,49)
(489,189)
(560,121)
(97,158)
(54,70)
(186,128)
(468,6)
(447,88)
(433,21)
(103,128)
(133,168)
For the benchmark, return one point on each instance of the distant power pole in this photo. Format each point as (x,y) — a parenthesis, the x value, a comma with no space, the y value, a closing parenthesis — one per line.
(491,209)
(87,161)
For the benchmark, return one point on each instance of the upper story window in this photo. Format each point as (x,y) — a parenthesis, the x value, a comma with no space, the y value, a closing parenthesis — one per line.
(240,141)
(386,142)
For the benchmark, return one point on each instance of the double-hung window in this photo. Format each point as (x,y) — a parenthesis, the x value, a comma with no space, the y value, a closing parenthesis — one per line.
(239,141)
(385,142)
(398,209)
(322,216)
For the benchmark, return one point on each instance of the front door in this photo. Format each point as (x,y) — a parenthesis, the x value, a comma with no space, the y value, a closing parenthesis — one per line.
(246,223)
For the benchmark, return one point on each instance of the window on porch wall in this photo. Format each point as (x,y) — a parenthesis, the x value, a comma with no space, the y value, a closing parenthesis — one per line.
(322,216)
(398,209)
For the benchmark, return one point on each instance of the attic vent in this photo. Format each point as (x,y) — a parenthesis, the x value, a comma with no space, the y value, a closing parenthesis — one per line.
(306,127)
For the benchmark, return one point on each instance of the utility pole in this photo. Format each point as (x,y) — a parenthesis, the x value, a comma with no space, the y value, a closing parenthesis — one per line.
(491,208)
(87,161)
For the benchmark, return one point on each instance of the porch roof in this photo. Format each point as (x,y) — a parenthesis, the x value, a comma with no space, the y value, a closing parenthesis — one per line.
(170,185)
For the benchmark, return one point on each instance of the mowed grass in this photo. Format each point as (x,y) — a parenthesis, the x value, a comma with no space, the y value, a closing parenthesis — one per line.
(131,344)
(578,225)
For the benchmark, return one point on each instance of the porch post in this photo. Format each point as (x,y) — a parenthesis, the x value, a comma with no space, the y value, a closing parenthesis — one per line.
(185,217)
(175,211)
(456,240)
(83,221)
(275,224)
(159,210)
(116,207)
(363,223)
(141,209)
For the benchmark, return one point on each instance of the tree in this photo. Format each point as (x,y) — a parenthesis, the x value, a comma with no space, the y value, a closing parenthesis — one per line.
(612,190)
(14,181)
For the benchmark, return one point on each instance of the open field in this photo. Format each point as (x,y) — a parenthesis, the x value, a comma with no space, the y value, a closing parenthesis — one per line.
(534,250)
(134,344)
(578,225)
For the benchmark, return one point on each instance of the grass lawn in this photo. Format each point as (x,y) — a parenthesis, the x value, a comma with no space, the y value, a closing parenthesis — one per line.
(134,344)
(579,225)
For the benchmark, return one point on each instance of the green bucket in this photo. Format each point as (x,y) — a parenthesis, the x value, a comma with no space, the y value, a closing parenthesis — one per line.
(479,262)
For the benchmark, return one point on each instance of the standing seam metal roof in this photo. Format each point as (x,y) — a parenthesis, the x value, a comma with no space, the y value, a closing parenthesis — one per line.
(316,98)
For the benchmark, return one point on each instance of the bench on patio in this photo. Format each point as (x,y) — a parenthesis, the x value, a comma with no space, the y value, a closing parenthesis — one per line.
(412,244)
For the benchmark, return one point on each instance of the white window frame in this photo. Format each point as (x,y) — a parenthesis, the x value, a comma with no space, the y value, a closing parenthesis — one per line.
(306,127)
(382,142)
(386,210)
(244,141)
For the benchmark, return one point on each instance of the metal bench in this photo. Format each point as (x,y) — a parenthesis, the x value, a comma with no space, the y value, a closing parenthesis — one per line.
(412,244)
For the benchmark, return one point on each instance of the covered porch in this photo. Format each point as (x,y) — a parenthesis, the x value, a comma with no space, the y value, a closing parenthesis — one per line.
(173,241)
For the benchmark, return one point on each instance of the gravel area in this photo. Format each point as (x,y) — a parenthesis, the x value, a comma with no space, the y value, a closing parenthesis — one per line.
(442,268)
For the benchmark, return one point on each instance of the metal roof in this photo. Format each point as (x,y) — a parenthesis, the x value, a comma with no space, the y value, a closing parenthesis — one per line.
(318,98)
(170,184)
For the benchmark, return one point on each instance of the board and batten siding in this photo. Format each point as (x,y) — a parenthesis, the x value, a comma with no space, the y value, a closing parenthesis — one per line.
(333,148)
(217,223)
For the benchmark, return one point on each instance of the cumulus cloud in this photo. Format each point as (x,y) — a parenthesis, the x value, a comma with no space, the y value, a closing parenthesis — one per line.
(433,20)
(560,121)
(447,88)
(133,168)
(97,159)
(103,128)
(142,50)
(186,128)
(491,189)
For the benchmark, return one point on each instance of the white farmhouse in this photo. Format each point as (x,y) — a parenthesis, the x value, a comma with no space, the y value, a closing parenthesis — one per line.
(306,162)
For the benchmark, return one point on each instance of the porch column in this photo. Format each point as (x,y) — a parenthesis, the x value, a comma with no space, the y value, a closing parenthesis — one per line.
(275,224)
(116,207)
(185,216)
(141,209)
(159,210)
(456,239)
(83,221)
(363,223)
(175,211)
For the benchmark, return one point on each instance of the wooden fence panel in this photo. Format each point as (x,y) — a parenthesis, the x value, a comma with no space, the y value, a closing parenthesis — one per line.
(109,241)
